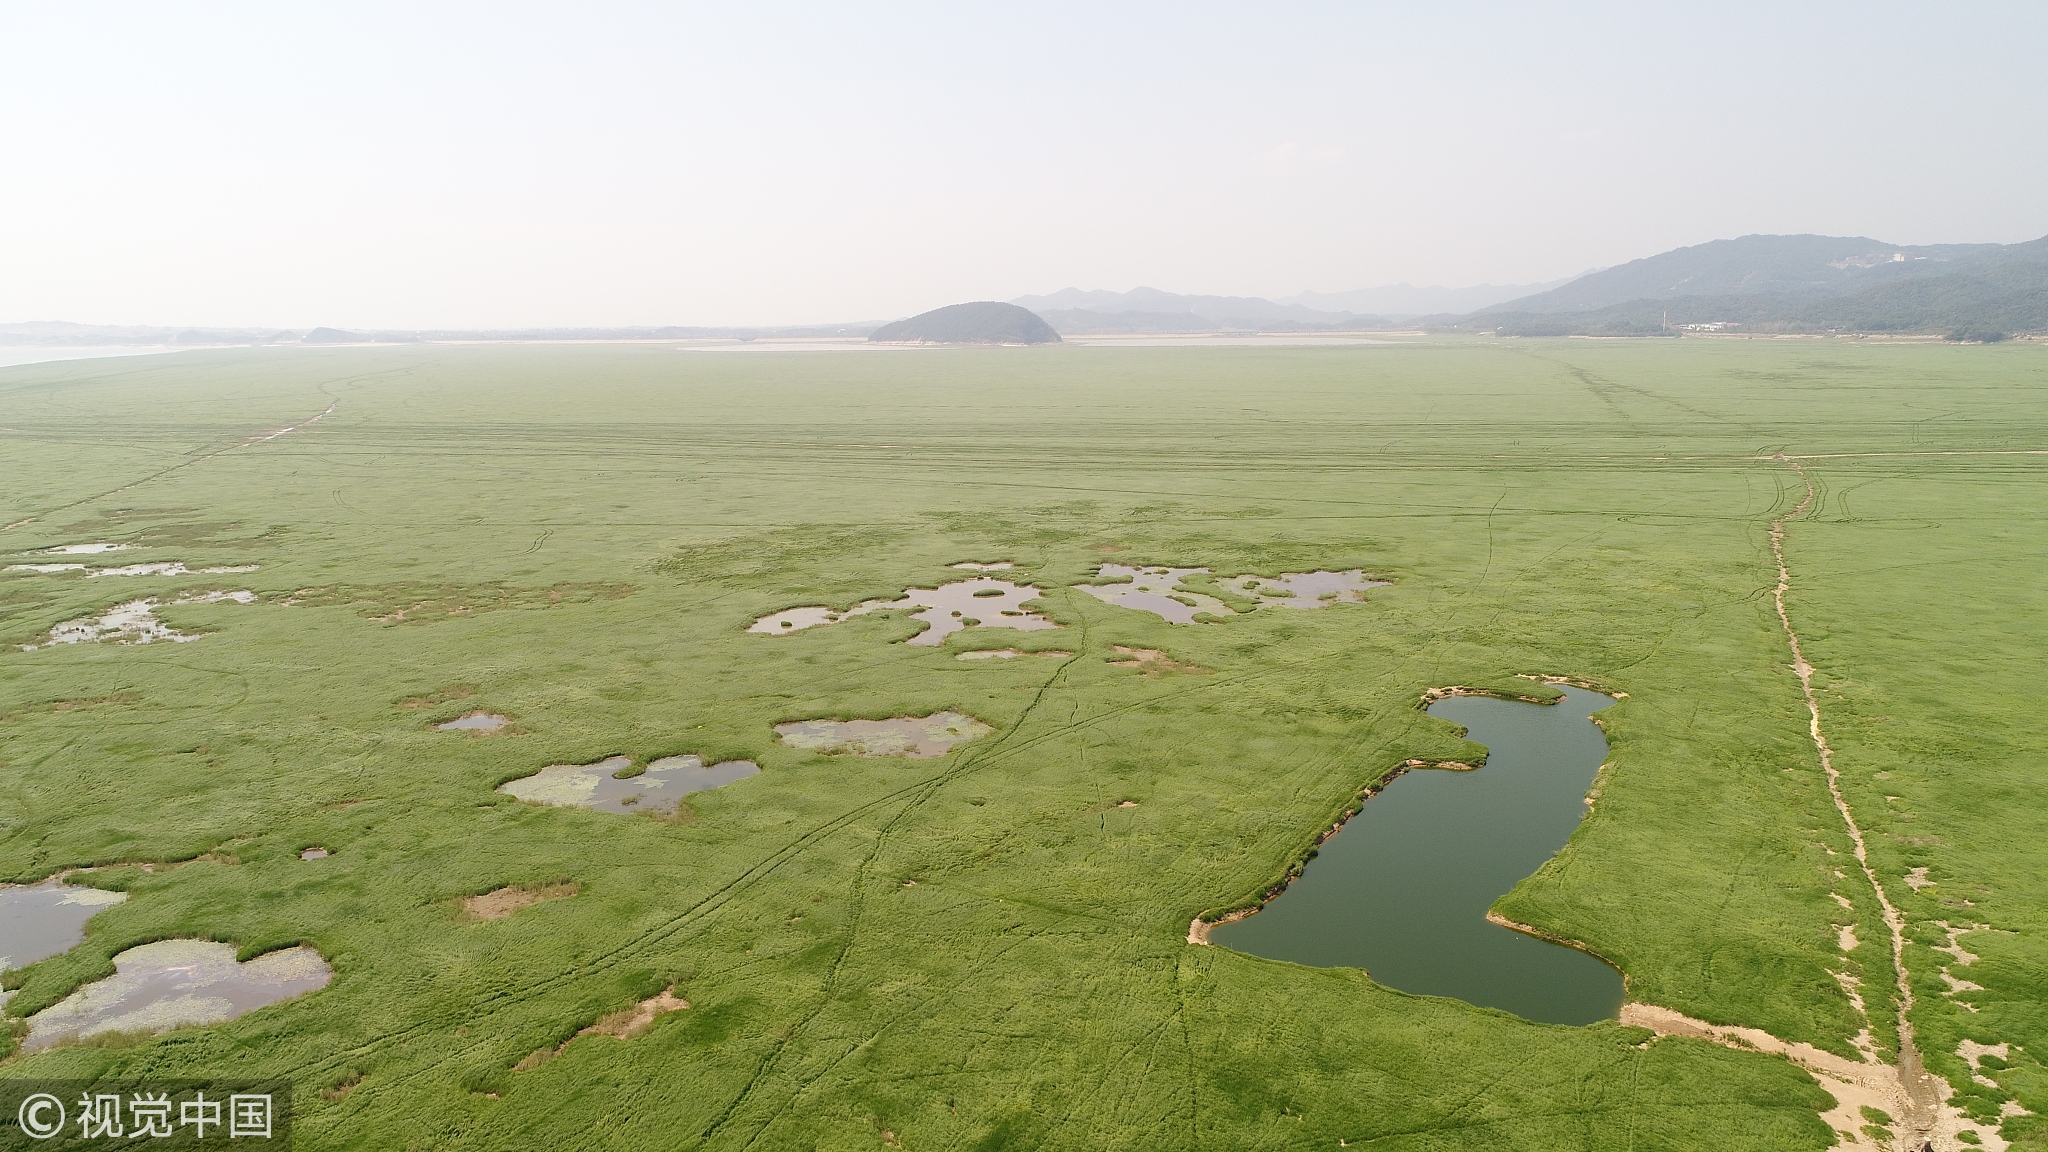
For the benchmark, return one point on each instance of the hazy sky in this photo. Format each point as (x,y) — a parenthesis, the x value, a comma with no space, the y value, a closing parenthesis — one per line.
(421,165)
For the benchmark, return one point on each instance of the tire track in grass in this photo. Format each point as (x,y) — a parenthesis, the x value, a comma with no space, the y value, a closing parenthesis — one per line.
(257,438)
(856,1048)
(652,937)
(711,903)
(631,949)
(921,794)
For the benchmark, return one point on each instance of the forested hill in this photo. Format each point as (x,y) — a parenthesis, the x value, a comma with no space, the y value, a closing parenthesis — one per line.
(980,322)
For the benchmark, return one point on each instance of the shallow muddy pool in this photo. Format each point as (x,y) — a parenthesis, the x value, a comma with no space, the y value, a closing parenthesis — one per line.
(1403,890)
(475,722)
(657,791)
(1305,589)
(798,619)
(171,568)
(42,920)
(134,622)
(1155,590)
(914,736)
(171,983)
(983,601)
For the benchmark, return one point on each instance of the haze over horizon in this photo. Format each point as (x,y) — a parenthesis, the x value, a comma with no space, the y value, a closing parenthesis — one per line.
(466,166)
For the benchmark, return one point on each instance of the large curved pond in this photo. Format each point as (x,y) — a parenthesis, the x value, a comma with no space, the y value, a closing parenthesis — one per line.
(1403,889)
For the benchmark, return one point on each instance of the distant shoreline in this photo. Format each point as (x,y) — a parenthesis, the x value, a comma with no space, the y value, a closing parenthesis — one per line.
(18,354)
(12,356)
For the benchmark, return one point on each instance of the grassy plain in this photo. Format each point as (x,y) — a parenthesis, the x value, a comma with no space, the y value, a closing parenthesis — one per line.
(987,950)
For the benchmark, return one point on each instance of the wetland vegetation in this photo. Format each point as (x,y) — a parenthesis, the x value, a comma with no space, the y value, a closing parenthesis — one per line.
(987,948)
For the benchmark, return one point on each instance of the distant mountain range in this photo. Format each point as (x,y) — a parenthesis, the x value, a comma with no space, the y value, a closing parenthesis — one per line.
(1076,312)
(1765,284)
(1762,284)
(1149,309)
(1096,312)
(1792,284)
(1402,301)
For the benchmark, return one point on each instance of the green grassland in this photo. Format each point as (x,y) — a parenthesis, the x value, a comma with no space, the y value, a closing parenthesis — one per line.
(988,950)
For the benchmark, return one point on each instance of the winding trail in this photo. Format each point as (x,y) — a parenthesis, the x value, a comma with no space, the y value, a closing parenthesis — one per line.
(260,438)
(1922,1118)
(1921,1093)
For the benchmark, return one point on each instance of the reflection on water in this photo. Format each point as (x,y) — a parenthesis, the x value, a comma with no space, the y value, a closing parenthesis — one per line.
(657,791)
(1155,590)
(1305,589)
(983,601)
(156,987)
(1402,891)
(41,920)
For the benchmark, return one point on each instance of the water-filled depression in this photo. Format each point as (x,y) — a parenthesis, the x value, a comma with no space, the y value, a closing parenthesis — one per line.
(1403,889)
(42,920)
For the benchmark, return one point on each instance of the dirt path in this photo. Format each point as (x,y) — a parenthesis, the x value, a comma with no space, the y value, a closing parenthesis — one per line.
(1916,1101)
(1921,1092)
(257,438)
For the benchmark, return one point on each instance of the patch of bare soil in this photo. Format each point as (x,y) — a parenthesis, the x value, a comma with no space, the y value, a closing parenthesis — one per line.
(624,1024)
(1199,929)
(1007,654)
(1448,691)
(1153,663)
(503,902)
(1855,1085)
(627,1023)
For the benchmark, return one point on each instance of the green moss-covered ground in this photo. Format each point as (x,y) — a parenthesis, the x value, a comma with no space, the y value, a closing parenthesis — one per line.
(988,950)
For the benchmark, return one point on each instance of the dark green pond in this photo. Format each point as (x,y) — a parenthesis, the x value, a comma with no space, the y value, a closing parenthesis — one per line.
(1402,891)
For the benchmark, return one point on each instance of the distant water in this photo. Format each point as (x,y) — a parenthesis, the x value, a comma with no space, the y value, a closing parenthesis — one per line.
(1402,891)
(12,354)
